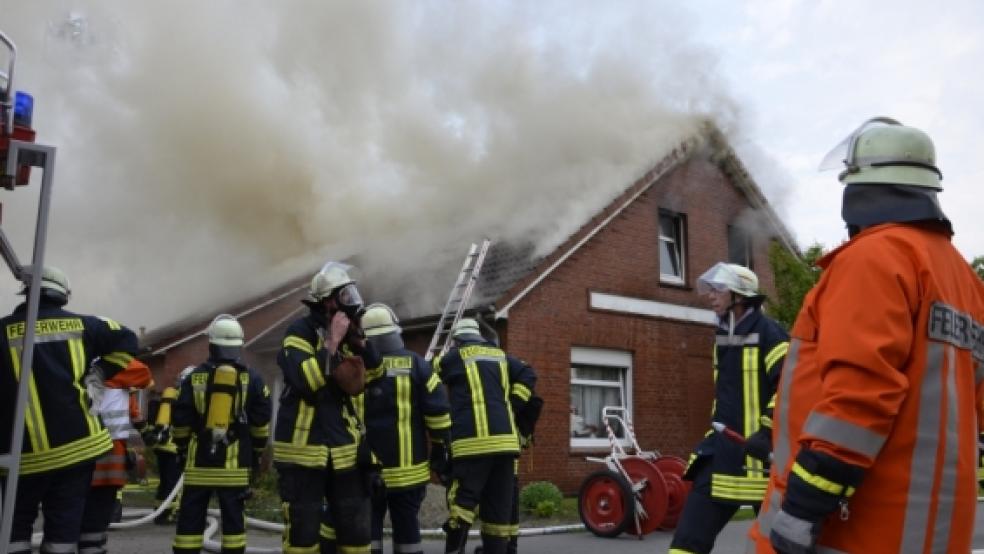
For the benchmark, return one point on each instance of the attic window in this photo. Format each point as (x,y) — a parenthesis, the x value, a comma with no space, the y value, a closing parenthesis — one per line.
(739,246)
(672,247)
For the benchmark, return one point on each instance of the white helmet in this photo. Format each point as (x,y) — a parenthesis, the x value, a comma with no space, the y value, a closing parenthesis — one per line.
(225,331)
(379,319)
(331,277)
(54,283)
(465,326)
(185,373)
(724,276)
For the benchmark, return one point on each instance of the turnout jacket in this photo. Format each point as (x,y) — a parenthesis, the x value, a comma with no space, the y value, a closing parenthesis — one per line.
(61,430)
(403,397)
(485,386)
(885,377)
(249,427)
(746,372)
(316,421)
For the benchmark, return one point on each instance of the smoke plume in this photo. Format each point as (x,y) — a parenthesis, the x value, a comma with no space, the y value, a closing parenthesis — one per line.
(210,151)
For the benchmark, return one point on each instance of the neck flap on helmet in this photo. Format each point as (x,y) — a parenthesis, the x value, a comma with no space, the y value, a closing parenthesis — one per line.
(870,204)
(387,343)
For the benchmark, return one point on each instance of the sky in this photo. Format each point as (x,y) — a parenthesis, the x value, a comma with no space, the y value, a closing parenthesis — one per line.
(210,151)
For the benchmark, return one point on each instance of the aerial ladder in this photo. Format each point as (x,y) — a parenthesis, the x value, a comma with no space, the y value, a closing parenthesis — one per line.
(18,154)
(458,299)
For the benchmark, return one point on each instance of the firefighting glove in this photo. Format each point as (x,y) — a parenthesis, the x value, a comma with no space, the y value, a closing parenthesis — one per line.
(759,444)
(439,463)
(819,484)
(149,436)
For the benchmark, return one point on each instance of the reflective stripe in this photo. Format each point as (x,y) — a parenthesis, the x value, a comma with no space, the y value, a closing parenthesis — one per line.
(291,341)
(404,422)
(774,355)
(408,548)
(216,477)
(187,541)
(496,529)
(18,342)
(488,444)
(233,541)
(346,549)
(121,359)
(781,450)
(844,433)
(433,382)
(922,469)
(20,546)
(822,483)
(312,374)
(302,424)
(377,545)
(751,339)
(945,496)
(478,398)
(307,455)
(343,457)
(751,406)
(734,487)
(521,390)
(398,477)
(70,453)
(442,421)
(326,532)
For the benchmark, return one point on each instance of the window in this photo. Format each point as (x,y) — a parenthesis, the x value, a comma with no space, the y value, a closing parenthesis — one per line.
(599,378)
(672,248)
(739,246)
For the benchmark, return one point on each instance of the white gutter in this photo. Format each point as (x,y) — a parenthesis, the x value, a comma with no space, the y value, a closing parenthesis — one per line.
(242,314)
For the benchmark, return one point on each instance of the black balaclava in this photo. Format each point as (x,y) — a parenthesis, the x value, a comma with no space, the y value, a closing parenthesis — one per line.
(870,204)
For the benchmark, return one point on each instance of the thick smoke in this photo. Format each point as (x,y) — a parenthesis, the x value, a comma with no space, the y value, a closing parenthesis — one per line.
(210,151)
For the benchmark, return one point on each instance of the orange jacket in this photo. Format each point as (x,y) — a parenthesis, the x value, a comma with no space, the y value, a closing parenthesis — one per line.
(885,372)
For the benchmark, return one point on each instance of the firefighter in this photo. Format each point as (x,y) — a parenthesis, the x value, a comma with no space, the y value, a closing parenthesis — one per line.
(221,425)
(62,439)
(319,446)
(876,417)
(158,437)
(749,349)
(486,387)
(112,402)
(404,403)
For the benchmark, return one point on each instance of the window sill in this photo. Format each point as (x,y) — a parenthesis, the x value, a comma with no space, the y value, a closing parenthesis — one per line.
(674,284)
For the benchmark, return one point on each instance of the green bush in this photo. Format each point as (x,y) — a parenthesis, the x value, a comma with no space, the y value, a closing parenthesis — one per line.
(541,498)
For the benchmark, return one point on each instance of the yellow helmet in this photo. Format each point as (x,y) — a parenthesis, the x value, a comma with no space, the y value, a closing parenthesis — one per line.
(380,319)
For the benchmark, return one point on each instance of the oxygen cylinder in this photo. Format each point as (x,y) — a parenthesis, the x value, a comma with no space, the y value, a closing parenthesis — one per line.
(168,397)
(220,403)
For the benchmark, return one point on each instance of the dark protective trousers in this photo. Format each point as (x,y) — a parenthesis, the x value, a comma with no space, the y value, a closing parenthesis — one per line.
(344,526)
(403,506)
(192,519)
(99,507)
(487,481)
(61,494)
(169,471)
(702,518)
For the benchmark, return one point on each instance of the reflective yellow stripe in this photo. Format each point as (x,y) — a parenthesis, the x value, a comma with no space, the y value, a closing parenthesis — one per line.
(752,408)
(478,399)
(293,341)
(233,541)
(181,432)
(67,454)
(497,530)
(36,433)
(777,352)
(342,457)
(113,325)
(464,514)
(404,429)
(312,374)
(433,382)
(307,455)
(485,445)
(232,455)
(504,383)
(76,349)
(521,390)
(732,487)
(438,422)
(326,532)
(260,432)
(302,425)
(396,477)
(216,477)
(188,541)
(822,483)
(360,549)
(121,359)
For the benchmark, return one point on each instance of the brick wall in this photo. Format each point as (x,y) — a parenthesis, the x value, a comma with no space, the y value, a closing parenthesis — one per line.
(672,384)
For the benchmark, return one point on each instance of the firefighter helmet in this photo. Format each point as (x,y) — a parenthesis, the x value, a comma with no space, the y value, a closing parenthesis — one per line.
(225,331)
(331,277)
(54,284)
(884,151)
(380,319)
(184,374)
(724,276)
(466,326)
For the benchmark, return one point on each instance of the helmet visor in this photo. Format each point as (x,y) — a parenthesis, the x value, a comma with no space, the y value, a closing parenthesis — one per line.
(349,296)
(842,155)
(718,278)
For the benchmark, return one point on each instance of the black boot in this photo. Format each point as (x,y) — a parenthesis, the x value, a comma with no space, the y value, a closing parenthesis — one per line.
(457,531)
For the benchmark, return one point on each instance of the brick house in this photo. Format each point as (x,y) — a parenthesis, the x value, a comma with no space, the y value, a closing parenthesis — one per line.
(608,317)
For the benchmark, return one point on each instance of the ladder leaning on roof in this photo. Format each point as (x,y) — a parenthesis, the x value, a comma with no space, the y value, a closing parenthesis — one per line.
(17,154)
(458,299)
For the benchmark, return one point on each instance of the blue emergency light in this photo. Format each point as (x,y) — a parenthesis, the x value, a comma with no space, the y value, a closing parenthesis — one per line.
(23,109)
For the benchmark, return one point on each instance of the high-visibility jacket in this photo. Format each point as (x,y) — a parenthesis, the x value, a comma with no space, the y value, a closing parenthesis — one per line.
(746,372)
(224,463)
(884,374)
(117,411)
(403,397)
(484,383)
(316,421)
(60,430)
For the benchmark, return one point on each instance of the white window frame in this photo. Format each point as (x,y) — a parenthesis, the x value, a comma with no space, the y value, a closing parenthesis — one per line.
(678,246)
(615,359)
